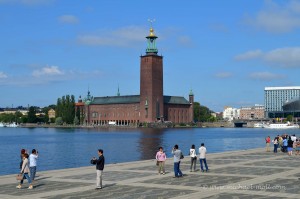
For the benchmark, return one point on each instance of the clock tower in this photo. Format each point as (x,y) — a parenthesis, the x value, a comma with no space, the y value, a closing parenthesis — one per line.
(151,82)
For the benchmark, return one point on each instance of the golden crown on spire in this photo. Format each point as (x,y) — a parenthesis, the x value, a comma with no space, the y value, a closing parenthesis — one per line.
(151,34)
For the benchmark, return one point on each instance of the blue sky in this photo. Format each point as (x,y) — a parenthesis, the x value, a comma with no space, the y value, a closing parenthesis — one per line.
(225,51)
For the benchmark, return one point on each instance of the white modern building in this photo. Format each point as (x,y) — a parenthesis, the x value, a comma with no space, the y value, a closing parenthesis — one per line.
(275,97)
(230,113)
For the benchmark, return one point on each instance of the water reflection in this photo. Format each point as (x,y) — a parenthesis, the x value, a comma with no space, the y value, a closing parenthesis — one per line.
(149,142)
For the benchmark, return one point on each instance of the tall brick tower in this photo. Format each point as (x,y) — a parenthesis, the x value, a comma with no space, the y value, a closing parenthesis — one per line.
(151,82)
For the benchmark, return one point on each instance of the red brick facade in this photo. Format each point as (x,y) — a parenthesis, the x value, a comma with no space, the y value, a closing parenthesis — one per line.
(150,106)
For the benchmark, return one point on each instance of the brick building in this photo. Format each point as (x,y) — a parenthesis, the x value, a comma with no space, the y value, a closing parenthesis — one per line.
(150,106)
(252,112)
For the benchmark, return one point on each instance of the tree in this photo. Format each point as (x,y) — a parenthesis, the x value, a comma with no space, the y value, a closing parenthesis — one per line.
(76,121)
(32,115)
(202,113)
(59,121)
(289,118)
(65,108)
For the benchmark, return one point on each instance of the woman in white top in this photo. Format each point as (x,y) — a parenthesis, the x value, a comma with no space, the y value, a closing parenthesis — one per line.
(193,156)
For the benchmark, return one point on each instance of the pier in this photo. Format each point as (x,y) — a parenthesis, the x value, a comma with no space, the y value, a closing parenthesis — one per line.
(243,174)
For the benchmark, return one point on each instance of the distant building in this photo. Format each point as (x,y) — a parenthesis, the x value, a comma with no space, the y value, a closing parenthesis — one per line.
(252,112)
(292,107)
(275,97)
(51,113)
(230,113)
(151,105)
(13,111)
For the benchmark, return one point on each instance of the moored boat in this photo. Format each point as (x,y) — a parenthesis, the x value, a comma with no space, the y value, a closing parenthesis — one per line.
(287,125)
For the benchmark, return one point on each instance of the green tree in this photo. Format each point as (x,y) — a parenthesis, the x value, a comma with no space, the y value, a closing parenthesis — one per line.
(202,113)
(18,116)
(289,118)
(76,121)
(32,115)
(65,108)
(59,121)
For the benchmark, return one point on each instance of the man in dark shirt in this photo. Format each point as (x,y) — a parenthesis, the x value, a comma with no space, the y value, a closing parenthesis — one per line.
(99,168)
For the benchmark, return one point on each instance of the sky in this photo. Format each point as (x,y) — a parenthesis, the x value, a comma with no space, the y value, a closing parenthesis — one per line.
(227,52)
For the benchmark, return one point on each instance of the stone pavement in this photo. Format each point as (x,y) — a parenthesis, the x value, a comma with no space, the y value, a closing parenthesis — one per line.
(239,174)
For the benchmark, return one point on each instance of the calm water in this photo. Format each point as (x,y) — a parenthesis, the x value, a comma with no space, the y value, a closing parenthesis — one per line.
(67,148)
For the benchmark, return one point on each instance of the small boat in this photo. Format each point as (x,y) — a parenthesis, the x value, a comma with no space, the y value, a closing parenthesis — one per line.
(13,125)
(258,125)
(287,125)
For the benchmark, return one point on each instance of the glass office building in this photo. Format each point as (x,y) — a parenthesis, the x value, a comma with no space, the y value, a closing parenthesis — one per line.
(275,97)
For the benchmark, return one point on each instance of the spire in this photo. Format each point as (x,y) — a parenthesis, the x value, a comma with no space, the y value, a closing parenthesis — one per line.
(88,99)
(118,93)
(191,92)
(151,39)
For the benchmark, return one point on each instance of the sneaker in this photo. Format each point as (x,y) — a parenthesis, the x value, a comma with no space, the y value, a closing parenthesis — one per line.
(98,187)
(19,187)
(164,173)
(30,187)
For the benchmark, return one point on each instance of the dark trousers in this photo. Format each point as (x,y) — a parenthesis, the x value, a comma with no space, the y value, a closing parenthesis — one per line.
(275,148)
(177,170)
(201,165)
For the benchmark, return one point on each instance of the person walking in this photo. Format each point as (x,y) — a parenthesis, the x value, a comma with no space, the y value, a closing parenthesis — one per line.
(23,151)
(161,158)
(193,156)
(99,168)
(202,157)
(284,144)
(32,164)
(25,171)
(177,156)
(290,146)
(268,140)
(275,142)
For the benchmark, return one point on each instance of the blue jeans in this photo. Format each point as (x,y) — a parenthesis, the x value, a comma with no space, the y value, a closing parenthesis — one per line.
(32,172)
(26,176)
(177,170)
(203,160)
(275,148)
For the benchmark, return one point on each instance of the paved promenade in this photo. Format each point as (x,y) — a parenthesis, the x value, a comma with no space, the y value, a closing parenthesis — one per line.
(241,174)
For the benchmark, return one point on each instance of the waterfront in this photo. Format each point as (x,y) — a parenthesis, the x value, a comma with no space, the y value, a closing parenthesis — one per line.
(68,148)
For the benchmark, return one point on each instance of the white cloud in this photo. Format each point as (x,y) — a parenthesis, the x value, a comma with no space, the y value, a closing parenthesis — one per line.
(249,55)
(276,18)
(287,57)
(265,76)
(68,19)
(47,71)
(126,37)
(2,75)
(223,75)
(27,2)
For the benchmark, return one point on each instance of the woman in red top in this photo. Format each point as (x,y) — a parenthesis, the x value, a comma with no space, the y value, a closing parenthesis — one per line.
(268,140)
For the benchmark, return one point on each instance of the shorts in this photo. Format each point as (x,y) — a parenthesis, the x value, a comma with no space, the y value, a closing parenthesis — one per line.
(290,149)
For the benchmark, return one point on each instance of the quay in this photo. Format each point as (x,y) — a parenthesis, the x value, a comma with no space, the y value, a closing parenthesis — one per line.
(245,174)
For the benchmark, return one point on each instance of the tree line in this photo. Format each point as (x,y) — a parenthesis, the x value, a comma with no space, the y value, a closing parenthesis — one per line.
(65,110)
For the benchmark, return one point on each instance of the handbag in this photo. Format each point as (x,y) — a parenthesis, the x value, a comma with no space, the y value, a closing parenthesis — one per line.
(157,163)
(181,156)
(19,176)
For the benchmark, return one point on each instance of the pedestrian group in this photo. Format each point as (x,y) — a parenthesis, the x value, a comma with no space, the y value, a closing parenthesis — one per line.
(27,166)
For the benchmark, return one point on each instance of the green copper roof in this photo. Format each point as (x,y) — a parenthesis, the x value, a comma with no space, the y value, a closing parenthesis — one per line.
(130,99)
(175,100)
(126,99)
